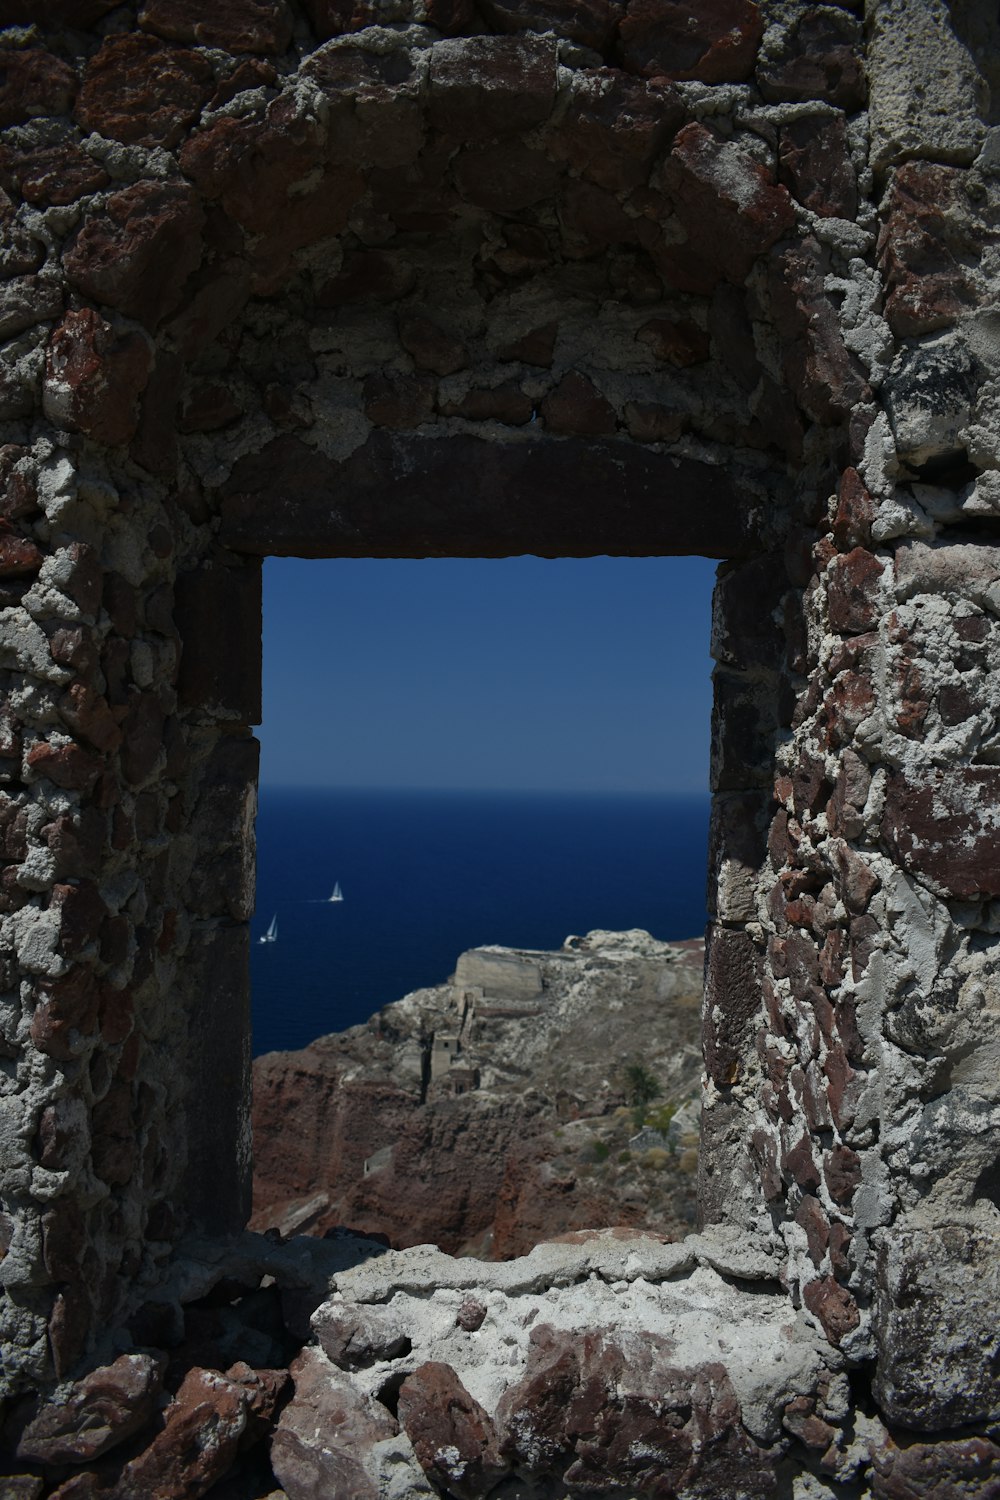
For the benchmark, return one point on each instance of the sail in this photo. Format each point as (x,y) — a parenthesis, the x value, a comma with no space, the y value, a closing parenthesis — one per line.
(337,894)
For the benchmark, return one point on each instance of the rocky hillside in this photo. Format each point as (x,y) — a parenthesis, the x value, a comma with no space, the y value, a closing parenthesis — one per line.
(533,1094)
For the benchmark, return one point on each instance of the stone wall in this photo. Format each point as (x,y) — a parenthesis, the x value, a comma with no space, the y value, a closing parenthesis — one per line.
(430,277)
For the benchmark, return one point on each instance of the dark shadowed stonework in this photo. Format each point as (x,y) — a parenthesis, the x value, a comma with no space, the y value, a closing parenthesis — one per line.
(453,277)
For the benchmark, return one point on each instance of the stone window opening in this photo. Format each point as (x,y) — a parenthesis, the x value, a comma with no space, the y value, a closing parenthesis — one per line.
(637,225)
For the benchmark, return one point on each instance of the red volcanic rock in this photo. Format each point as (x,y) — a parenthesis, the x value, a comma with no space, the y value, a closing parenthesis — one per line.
(101,1410)
(505,403)
(136,254)
(482,87)
(94,377)
(432,347)
(137,90)
(728,205)
(88,714)
(590,213)
(820,57)
(323,1430)
(33,83)
(627,1417)
(936,1470)
(589,22)
(713,43)
(452,1436)
(54,174)
(575,406)
(233,25)
(678,341)
(18,557)
(852,524)
(833,1305)
(65,1006)
(853,592)
(201,1434)
(68,765)
(923,247)
(615,127)
(814,164)
(943,827)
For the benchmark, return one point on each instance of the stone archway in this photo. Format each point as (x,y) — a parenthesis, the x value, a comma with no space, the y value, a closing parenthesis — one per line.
(661,286)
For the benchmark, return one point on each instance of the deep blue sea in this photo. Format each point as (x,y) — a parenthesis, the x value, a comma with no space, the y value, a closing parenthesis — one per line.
(428,874)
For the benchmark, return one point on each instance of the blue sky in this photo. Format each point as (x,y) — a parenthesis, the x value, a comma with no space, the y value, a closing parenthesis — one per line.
(523,673)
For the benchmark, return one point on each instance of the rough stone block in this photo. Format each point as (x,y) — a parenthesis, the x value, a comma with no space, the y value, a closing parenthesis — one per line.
(481,87)
(34,83)
(233,25)
(714,43)
(927,97)
(218,617)
(936,1329)
(94,377)
(136,90)
(136,253)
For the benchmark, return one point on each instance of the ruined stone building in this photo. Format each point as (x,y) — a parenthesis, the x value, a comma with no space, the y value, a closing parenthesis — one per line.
(480,277)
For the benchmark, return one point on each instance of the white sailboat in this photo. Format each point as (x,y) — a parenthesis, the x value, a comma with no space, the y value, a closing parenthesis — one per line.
(271,935)
(336,894)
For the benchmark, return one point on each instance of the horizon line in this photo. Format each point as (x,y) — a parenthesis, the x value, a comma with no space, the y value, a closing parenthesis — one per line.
(528,791)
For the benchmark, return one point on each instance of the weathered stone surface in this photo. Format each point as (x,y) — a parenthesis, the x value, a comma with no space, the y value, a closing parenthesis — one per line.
(819,57)
(452,1436)
(94,376)
(938,1362)
(137,252)
(235,25)
(102,1410)
(945,827)
(732,1003)
(815,166)
(927,95)
(714,186)
(716,44)
(505,178)
(928,396)
(825,377)
(833,1305)
(136,90)
(482,87)
(433,348)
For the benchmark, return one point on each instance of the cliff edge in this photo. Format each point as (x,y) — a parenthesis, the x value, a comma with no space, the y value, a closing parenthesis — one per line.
(533,1094)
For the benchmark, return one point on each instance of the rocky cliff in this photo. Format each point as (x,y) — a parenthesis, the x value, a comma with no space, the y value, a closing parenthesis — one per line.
(533,1094)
